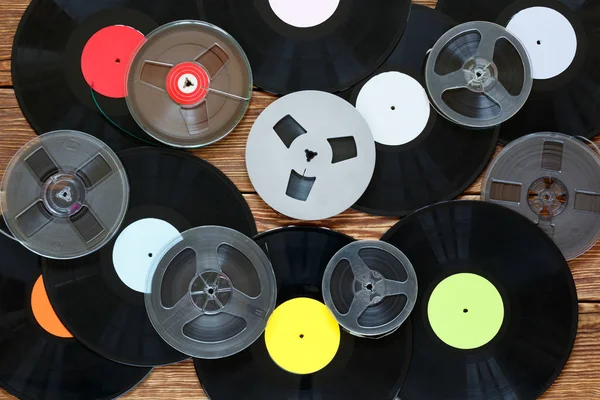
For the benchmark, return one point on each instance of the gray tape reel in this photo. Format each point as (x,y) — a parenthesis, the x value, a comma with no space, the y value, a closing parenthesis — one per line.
(370,287)
(554,180)
(310,155)
(211,292)
(64,194)
(478,85)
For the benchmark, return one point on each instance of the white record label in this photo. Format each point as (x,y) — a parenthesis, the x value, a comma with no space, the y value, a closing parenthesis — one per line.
(549,38)
(395,106)
(136,247)
(304,13)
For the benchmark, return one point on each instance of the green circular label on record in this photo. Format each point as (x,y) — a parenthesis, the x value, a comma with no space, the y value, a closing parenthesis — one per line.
(465,311)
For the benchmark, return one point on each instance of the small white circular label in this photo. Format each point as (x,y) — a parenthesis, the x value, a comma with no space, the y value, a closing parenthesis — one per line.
(136,247)
(395,106)
(549,39)
(188,83)
(304,13)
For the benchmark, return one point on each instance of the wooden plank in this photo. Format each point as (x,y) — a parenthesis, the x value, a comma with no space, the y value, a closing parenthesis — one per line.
(11,12)
(579,380)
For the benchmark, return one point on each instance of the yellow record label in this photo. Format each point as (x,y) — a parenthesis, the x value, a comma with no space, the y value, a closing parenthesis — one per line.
(302,336)
(465,311)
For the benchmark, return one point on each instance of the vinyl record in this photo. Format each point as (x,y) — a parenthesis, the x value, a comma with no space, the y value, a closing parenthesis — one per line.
(422,158)
(296,45)
(496,315)
(100,298)
(63,48)
(39,359)
(562,40)
(299,257)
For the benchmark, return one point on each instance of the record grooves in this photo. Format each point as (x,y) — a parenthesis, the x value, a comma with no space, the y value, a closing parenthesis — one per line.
(299,256)
(330,56)
(35,364)
(97,297)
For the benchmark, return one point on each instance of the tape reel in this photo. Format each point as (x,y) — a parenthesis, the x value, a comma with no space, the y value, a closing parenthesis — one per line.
(64,194)
(211,292)
(310,155)
(370,287)
(478,75)
(554,180)
(189,85)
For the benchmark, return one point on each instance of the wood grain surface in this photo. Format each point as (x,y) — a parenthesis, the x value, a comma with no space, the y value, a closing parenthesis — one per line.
(579,380)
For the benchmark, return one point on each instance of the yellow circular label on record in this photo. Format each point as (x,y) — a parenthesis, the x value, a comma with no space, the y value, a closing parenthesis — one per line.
(465,311)
(302,336)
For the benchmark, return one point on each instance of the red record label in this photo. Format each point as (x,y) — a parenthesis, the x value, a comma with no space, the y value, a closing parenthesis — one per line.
(106,57)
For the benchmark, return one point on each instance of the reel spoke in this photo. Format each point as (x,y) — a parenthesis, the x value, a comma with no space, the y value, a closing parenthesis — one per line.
(41,165)
(154,74)
(182,313)
(196,118)
(213,60)
(242,306)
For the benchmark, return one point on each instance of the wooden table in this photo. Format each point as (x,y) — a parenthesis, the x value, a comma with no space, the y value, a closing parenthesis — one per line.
(579,380)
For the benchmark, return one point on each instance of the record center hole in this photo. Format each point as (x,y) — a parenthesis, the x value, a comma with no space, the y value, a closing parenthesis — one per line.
(118,60)
(150,255)
(465,310)
(301,336)
(539,42)
(370,286)
(188,83)
(393,108)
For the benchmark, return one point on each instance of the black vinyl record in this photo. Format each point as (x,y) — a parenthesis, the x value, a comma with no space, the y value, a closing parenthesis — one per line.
(484,242)
(361,369)
(330,56)
(47,63)
(441,162)
(96,304)
(35,364)
(567,102)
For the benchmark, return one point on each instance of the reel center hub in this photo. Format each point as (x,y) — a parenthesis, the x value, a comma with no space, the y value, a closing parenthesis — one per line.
(63,194)
(480,74)
(310,155)
(188,83)
(211,291)
(548,197)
